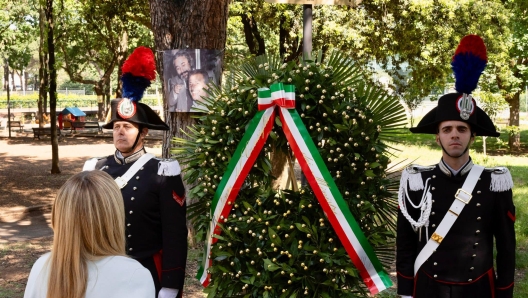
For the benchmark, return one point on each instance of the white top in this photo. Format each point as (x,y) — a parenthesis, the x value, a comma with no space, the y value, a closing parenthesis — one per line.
(111,277)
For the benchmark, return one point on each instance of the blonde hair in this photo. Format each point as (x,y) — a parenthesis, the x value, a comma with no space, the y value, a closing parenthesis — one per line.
(88,221)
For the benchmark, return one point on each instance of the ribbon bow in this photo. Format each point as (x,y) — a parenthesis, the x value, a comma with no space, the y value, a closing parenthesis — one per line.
(277,95)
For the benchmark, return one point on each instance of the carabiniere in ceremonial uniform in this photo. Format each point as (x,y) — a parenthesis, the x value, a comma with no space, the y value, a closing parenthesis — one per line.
(449,219)
(152,188)
(155,216)
(465,255)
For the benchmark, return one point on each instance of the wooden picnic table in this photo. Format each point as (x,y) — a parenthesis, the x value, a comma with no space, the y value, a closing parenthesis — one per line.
(16,124)
(44,131)
(86,124)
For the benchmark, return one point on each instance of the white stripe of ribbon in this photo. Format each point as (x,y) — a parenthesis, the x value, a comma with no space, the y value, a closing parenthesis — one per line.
(330,198)
(231,181)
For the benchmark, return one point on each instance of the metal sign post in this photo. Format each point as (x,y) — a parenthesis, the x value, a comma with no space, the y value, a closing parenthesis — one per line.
(307,17)
(307,31)
(307,25)
(6,77)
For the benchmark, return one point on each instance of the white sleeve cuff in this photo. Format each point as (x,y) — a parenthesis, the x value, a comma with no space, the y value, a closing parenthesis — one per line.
(169,293)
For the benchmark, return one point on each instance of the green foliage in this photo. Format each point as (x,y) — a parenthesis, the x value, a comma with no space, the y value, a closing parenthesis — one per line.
(512,130)
(96,36)
(411,41)
(492,103)
(18,31)
(76,86)
(280,243)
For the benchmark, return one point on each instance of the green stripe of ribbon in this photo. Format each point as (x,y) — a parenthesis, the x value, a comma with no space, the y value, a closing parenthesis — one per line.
(343,206)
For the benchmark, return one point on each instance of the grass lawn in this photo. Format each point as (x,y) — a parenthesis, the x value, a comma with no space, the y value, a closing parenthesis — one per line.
(422,149)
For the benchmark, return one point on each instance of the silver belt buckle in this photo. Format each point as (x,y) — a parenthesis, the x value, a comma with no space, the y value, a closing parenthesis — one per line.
(461,191)
(120,182)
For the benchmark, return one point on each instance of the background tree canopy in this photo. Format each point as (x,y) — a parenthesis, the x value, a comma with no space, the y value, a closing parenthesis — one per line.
(412,41)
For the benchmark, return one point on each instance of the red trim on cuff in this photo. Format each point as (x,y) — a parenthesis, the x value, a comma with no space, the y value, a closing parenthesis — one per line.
(511,216)
(157,262)
(507,287)
(415,283)
(491,278)
(404,276)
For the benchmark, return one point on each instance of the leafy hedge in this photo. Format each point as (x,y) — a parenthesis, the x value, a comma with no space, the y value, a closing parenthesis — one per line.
(64,100)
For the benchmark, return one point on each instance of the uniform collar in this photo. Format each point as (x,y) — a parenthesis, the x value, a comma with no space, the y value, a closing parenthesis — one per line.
(130,159)
(463,171)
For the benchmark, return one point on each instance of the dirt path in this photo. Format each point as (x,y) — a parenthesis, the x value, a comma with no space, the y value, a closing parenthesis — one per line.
(26,164)
(28,188)
(27,191)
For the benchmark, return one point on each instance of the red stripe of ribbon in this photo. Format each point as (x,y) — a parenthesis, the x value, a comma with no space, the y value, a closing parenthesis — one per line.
(328,211)
(281,102)
(244,172)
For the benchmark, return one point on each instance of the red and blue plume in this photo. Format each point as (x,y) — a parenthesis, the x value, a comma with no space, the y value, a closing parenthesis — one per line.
(138,70)
(468,63)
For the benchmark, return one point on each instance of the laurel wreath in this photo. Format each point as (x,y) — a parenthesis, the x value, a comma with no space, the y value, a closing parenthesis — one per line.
(278,243)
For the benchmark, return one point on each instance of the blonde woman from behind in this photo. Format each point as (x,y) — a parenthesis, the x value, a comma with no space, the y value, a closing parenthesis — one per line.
(88,257)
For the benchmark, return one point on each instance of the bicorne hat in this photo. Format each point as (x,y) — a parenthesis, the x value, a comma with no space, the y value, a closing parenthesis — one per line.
(138,70)
(468,63)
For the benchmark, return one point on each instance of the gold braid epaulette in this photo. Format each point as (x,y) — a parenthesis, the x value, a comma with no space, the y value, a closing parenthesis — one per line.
(414,168)
(497,170)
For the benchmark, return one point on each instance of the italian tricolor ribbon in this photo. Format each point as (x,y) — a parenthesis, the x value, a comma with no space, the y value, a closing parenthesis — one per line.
(317,175)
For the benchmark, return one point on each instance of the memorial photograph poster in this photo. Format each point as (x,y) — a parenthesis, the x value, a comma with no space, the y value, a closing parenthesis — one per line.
(187,73)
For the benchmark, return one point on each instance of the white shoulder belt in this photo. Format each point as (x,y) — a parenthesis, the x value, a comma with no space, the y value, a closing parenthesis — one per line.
(463,196)
(123,180)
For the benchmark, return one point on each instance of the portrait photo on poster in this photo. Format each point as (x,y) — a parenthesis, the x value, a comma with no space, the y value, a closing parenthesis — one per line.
(187,73)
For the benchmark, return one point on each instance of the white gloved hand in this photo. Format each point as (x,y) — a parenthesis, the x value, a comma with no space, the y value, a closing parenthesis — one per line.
(402,296)
(169,293)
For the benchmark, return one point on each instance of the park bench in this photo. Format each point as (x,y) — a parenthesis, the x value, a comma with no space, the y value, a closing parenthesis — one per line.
(86,124)
(16,124)
(3,123)
(43,131)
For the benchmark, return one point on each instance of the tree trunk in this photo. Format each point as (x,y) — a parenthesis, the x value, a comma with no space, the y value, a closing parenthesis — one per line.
(45,82)
(43,72)
(278,164)
(13,88)
(6,79)
(6,75)
(25,79)
(52,90)
(254,40)
(295,48)
(107,94)
(193,24)
(120,61)
(514,139)
(101,102)
(283,35)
